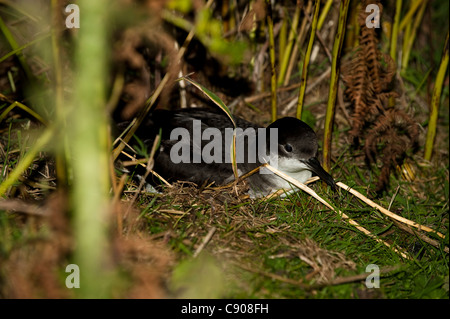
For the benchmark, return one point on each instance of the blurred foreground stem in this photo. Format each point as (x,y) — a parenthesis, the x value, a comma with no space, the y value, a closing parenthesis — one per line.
(89,137)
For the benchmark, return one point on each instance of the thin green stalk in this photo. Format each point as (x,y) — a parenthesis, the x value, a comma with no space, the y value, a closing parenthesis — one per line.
(353,29)
(282,36)
(272,62)
(60,157)
(407,36)
(291,39)
(409,15)
(394,39)
(435,101)
(395,29)
(409,39)
(298,44)
(26,161)
(23,107)
(301,95)
(89,136)
(19,49)
(15,47)
(331,106)
(323,15)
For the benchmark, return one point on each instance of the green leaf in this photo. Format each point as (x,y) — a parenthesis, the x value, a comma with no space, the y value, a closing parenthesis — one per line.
(212,96)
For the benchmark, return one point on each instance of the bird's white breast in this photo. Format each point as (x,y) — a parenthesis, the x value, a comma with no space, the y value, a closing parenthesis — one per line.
(291,167)
(294,168)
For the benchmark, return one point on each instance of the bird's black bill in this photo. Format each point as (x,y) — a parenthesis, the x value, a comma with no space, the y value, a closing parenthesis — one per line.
(314,165)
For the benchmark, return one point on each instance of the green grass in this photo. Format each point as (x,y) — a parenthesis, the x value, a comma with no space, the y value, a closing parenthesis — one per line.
(268,237)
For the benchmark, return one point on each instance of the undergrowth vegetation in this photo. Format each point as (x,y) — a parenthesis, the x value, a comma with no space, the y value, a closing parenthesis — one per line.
(68,196)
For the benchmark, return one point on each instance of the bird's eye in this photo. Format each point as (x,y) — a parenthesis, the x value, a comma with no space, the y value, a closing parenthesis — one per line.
(288,148)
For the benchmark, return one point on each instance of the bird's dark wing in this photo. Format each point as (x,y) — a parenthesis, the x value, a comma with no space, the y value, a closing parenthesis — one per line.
(167,121)
(214,118)
(198,173)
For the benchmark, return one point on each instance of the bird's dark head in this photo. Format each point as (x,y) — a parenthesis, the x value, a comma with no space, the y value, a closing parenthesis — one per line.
(295,138)
(297,148)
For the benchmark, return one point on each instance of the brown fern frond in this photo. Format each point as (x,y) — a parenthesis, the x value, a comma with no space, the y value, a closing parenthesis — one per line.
(369,45)
(388,71)
(367,75)
(354,75)
(388,132)
(393,135)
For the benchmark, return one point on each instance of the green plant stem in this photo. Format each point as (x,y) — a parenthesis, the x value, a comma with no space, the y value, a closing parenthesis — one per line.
(291,39)
(89,136)
(323,15)
(301,95)
(394,39)
(395,29)
(409,40)
(19,49)
(352,36)
(27,159)
(298,44)
(408,16)
(435,101)
(331,106)
(15,47)
(60,157)
(23,107)
(273,82)
(282,36)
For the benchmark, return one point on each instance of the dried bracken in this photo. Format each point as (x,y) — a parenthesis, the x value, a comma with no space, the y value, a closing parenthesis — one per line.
(386,131)
(35,268)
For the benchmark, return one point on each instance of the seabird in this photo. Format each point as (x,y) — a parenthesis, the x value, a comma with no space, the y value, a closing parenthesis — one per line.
(195,147)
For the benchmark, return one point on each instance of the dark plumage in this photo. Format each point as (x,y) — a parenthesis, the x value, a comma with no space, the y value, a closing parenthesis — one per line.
(295,153)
